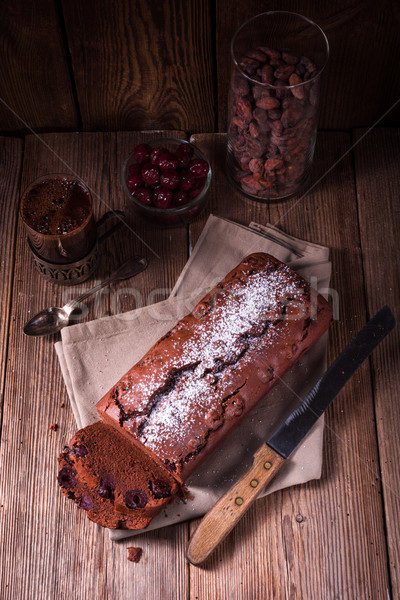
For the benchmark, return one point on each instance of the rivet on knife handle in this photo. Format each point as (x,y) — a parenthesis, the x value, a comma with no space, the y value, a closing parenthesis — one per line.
(230,508)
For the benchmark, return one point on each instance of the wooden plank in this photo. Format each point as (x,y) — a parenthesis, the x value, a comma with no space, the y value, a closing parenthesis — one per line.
(141,65)
(11,153)
(162,572)
(356,89)
(324,539)
(36,88)
(36,521)
(378,193)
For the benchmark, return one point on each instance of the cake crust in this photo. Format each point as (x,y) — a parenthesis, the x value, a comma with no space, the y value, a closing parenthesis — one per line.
(195,385)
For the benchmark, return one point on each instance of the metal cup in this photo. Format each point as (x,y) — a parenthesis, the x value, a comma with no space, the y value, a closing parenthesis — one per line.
(63,236)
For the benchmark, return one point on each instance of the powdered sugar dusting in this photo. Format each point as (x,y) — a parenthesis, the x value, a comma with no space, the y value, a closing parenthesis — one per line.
(206,362)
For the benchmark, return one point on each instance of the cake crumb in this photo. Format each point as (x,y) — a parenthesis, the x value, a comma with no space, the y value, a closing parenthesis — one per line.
(134,554)
(53,427)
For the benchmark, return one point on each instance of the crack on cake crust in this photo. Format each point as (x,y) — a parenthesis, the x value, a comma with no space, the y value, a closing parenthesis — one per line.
(155,399)
(210,430)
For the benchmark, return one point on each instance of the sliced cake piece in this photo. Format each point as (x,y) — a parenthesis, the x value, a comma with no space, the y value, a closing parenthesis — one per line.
(117,484)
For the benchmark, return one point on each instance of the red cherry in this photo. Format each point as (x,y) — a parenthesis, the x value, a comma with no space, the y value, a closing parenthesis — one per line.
(142,153)
(150,174)
(180,198)
(184,149)
(187,180)
(183,160)
(144,195)
(197,188)
(184,153)
(155,155)
(162,197)
(170,179)
(167,161)
(134,181)
(198,167)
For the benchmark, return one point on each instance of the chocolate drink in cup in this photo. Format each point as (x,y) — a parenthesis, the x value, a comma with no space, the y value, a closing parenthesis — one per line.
(58,217)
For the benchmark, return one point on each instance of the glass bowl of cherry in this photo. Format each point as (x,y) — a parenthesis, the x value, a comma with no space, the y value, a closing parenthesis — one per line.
(166,181)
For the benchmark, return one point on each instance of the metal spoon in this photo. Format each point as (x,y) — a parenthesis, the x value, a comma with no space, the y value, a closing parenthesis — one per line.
(51,320)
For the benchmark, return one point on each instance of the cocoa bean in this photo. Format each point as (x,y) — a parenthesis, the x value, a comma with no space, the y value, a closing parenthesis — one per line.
(298,92)
(267,74)
(274,114)
(290,117)
(243,109)
(244,161)
(272,150)
(281,91)
(260,90)
(270,52)
(284,72)
(309,65)
(254,129)
(261,116)
(267,103)
(277,127)
(240,124)
(277,62)
(258,55)
(290,59)
(249,65)
(254,147)
(251,183)
(273,163)
(256,165)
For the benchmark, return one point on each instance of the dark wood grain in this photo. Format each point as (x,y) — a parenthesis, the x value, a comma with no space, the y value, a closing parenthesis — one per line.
(10,171)
(36,87)
(337,522)
(360,83)
(140,65)
(378,193)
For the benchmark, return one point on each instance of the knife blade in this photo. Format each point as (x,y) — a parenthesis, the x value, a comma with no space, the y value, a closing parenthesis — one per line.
(271,456)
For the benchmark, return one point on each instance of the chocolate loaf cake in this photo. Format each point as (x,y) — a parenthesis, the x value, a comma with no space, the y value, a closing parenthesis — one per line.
(113,481)
(196,384)
(189,391)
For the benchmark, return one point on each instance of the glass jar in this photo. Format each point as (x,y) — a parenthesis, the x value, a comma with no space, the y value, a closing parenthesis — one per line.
(278,58)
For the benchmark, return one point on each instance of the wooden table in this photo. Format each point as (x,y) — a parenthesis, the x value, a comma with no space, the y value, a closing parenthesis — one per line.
(335,538)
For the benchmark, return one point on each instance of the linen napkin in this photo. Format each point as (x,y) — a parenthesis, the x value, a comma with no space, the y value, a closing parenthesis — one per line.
(94,355)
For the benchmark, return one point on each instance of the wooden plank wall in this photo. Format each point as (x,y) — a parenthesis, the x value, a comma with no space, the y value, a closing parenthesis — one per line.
(133,64)
(36,87)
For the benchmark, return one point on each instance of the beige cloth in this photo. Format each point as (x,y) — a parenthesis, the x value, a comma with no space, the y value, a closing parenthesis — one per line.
(94,355)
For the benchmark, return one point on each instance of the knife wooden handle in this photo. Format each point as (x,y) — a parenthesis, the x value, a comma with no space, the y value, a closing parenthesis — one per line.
(230,508)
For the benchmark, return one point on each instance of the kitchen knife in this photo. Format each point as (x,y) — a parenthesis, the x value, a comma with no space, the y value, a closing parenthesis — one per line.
(268,459)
